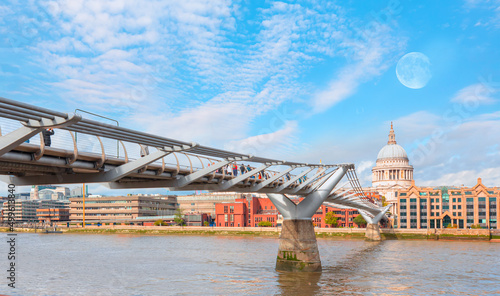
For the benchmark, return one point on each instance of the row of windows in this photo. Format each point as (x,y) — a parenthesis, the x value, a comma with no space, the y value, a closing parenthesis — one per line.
(120,214)
(469,199)
(230,216)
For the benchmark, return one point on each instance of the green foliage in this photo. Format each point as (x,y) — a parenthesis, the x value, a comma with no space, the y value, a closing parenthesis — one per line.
(179,217)
(330,219)
(384,203)
(206,223)
(359,220)
(475,226)
(160,222)
(265,224)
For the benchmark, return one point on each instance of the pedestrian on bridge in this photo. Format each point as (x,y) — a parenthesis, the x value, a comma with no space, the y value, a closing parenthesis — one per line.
(46,133)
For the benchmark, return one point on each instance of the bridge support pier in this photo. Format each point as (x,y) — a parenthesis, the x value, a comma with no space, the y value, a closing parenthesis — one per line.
(372,228)
(298,248)
(373,232)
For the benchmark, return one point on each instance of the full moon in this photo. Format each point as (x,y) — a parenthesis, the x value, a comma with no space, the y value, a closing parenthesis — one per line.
(414,70)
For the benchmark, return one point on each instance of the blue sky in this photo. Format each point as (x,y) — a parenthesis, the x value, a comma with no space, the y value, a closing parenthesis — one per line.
(300,80)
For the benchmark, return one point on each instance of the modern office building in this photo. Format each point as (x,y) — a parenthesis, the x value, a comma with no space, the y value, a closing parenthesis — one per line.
(22,196)
(125,208)
(26,210)
(441,207)
(50,215)
(49,192)
(197,219)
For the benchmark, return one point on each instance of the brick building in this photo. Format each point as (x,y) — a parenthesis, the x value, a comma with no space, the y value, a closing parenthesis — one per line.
(250,211)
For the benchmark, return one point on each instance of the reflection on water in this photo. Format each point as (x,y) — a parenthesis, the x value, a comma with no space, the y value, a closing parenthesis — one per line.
(185,265)
(299,283)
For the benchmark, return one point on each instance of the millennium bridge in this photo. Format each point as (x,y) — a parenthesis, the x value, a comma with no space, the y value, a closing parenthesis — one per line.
(89,151)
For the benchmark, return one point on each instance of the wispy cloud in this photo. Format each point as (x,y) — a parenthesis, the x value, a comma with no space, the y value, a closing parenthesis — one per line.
(372,56)
(476,94)
(280,143)
(197,70)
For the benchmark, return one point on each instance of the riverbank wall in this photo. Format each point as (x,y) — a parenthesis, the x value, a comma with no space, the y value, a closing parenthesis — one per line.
(347,233)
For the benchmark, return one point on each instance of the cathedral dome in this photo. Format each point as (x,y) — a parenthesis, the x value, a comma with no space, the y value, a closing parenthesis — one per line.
(392,151)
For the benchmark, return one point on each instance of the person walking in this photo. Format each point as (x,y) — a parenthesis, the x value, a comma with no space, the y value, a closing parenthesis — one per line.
(144,151)
(242,169)
(235,170)
(46,133)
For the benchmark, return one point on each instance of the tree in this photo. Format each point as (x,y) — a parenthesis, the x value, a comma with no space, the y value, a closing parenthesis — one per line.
(179,217)
(359,220)
(265,224)
(159,222)
(331,219)
(206,223)
(384,203)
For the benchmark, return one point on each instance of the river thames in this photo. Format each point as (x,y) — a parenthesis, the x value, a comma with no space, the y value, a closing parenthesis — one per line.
(79,264)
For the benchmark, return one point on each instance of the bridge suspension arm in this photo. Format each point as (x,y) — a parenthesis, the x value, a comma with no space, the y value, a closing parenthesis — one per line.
(292,180)
(264,183)
(307,182)
(234,181)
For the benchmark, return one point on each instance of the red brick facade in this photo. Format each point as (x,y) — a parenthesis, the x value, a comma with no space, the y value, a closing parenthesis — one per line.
(248,213)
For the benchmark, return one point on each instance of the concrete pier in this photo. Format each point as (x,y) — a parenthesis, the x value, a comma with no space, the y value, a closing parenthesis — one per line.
(373,232)
(298,248)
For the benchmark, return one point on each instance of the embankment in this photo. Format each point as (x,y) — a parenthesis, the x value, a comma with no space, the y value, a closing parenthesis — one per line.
(342,233)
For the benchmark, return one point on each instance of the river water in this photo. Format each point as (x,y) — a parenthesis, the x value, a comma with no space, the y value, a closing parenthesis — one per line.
(80,264)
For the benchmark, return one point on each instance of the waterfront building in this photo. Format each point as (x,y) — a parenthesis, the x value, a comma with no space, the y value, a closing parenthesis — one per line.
(392,171)
(197,219)
(26,210)
(50,215)
(232,214)
(124,208)
(441,207)
(249,212)
(205,202)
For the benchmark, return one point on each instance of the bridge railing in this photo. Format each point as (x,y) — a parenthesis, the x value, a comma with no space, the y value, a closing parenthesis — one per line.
(80,135)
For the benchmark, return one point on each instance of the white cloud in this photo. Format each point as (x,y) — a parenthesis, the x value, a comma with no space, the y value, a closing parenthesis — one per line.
(274,144)
(489,176)
(198,70)
(475,94)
